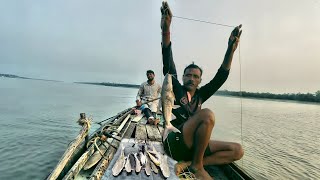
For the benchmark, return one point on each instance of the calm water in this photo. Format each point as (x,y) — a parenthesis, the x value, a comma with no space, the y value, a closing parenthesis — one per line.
(38,120)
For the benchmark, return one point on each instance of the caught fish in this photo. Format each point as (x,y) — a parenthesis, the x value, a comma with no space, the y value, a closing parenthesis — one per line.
(118,166)
(164,166)
(154,159)
(138,165)
(142,158)
(132,161)
(154,151)
(127,166)
(167,100)
(147,168)
(154,167)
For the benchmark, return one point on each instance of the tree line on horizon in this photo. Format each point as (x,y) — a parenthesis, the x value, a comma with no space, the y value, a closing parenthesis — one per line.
(308,97)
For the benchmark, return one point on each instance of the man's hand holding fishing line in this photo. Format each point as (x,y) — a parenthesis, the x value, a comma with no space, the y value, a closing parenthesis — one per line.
(166,17)
(233,43)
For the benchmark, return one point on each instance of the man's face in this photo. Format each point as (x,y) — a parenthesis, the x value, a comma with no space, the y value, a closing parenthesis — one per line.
(191,79)
(150,76)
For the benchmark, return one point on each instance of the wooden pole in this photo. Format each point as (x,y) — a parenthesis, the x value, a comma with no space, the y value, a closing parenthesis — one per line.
(73,172)
(96,157)
(104,163)
(72,147)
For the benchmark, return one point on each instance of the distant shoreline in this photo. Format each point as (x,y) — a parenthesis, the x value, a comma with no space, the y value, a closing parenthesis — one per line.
(111,84)
(21,77)
(301,97)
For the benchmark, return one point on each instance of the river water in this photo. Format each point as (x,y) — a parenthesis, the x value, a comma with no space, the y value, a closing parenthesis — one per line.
(38,120)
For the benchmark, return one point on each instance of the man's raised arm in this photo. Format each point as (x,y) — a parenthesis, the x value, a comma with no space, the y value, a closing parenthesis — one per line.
(232,46)
(168,64)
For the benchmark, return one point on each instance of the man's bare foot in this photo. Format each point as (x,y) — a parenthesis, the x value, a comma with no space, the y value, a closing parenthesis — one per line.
(182,166)
(202,174)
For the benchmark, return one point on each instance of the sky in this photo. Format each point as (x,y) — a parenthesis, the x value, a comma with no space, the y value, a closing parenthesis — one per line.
(117,41)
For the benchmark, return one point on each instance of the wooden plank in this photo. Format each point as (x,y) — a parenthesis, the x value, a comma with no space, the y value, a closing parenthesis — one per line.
(72,147)
(137,118)
(130,130)
(143,120)
(103,164)
(153,133)
(72,173)
(95,158)
(141,133)
(120,119)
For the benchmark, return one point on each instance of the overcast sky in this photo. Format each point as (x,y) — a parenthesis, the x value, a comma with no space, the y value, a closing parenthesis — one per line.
(118,40)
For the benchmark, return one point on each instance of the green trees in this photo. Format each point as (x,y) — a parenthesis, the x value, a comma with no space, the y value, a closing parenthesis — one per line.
(308,97)
(318,96)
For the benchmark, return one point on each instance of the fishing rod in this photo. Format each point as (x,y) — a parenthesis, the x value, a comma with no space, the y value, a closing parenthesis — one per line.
(128,108)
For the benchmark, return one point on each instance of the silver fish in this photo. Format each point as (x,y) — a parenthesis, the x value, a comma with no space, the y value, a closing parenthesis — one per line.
(154,151)
(167,100)
(154,159)
(147,168)
(138,165)
(118,166)
(154,167)
(164,166)
(142,158)
(127,166)
(132,161)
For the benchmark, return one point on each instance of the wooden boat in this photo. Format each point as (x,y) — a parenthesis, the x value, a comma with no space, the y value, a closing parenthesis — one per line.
(124,127)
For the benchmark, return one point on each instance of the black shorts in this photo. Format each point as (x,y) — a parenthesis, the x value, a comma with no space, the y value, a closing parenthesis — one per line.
(175,147)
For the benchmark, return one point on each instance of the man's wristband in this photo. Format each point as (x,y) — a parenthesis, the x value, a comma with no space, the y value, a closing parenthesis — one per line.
(166,33)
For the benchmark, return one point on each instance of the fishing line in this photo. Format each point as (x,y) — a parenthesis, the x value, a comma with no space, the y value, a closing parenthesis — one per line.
(240,97)
(202,21)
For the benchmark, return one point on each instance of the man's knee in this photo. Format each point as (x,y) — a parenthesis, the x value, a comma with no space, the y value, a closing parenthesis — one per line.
(238,151)
(207,116)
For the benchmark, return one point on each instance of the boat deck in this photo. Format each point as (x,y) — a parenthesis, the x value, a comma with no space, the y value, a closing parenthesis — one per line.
(130,131)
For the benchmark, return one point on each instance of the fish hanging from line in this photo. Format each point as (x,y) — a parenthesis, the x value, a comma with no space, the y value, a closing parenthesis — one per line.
(167,100)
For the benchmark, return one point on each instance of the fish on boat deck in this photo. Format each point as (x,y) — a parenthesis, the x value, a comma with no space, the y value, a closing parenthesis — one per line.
(147,166)
(118,166)
(164,166)
(127,166)
(138,165)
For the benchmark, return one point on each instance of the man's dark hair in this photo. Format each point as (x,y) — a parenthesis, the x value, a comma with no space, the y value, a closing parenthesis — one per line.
(150,71)
(194,66)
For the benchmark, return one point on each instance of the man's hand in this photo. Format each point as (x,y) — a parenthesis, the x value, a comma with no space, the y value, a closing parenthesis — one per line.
(166,16)
(235,38)
(138,102)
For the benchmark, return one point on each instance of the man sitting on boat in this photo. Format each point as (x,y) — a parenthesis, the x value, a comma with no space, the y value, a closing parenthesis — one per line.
(148,91)
(193,147)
